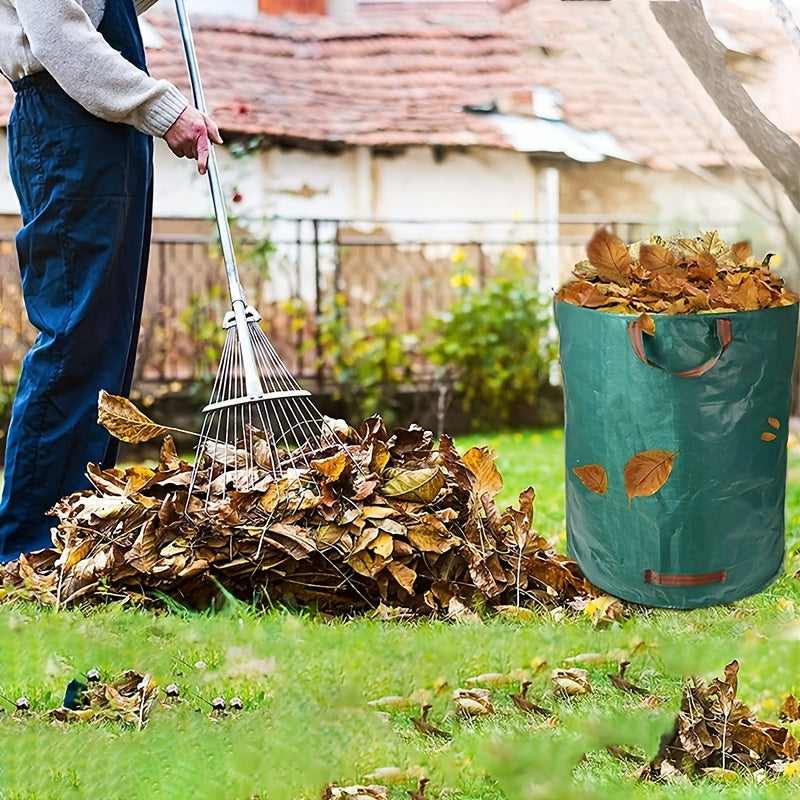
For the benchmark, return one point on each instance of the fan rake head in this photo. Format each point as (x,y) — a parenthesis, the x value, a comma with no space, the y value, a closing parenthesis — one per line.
(258,430)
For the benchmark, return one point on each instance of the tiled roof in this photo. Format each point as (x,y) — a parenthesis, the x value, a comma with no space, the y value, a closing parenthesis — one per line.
(325,83)
(329,83)
(384,80)
(617,71)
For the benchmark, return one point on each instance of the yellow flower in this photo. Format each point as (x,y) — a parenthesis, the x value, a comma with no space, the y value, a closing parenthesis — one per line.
(461,280)
(514,255)
(792,769)
(458,256)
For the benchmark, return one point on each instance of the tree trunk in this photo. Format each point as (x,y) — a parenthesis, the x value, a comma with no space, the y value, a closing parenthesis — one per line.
(685,24)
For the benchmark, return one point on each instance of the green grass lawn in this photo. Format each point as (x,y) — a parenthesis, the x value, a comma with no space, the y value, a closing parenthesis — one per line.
(306,684)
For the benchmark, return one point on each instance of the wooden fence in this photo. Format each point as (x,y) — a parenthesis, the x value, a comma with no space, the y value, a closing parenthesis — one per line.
(305,266)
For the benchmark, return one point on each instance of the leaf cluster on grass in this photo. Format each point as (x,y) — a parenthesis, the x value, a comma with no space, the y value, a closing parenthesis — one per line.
(716,733)
(391,520)
(673,276)
(128,700)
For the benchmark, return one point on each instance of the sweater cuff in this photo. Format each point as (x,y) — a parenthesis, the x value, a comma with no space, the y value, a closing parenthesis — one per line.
(164,111)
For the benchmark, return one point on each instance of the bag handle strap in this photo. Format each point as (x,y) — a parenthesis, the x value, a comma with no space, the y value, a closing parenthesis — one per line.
(665,579)
(724,331)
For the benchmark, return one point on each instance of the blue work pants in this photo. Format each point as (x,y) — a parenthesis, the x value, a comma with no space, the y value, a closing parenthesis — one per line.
(85,191)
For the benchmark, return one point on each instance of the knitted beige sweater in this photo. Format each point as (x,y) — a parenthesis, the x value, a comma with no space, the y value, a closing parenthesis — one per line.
(60,36)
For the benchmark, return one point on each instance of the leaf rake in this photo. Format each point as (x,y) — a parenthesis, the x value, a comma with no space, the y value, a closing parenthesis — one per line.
(260,425)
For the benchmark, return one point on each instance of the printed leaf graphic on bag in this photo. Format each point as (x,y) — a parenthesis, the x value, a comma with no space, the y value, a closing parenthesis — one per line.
(593,477)
(647,472)
(609,256)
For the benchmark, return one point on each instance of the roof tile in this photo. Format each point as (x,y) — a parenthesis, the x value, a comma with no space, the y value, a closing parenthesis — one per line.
(389,80)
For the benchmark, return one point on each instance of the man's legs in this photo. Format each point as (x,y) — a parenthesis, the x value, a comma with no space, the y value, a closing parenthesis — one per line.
(82,252)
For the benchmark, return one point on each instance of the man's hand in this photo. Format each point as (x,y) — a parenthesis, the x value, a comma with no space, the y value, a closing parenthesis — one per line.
(189,135)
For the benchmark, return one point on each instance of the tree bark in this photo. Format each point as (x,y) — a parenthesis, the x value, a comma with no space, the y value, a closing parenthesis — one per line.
(789,24)
(686,25)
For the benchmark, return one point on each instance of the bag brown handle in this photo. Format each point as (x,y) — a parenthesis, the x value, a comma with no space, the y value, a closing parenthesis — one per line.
(724,331)
(665,579)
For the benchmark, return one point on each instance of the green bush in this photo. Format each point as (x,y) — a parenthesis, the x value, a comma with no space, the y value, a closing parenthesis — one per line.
(494,342)
(202,321)
(367,365)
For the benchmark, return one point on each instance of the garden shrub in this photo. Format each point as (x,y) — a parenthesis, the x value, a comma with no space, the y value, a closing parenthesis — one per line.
(495,342)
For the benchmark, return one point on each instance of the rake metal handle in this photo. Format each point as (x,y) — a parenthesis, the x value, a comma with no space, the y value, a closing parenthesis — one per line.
(238,302)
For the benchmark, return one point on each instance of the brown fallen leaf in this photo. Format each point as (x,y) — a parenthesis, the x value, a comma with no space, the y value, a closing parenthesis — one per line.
(497,679)
(427,728)
(392,702)
(419,792)
(790,709)
(571,682)
(480,461)
(657,258)
(416,486)
(373,792)
(604,611)
(651,702)
(394,775)
(623,684)
(647,324)
(523,704)
(608,254)
(123,420)
(476,702)
(624,755)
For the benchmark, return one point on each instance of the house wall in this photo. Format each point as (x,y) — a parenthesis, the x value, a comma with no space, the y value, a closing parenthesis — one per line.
(439,201)
(233,8)
(357,184)
(468,196)
(679,202)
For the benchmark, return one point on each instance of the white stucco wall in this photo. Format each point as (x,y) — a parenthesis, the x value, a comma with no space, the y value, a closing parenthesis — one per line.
(470,186)
(232,8)
(356,185)
(279,186)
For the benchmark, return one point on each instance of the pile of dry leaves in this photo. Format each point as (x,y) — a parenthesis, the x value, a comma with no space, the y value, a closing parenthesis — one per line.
(715,733)
(673,276)
(391,520)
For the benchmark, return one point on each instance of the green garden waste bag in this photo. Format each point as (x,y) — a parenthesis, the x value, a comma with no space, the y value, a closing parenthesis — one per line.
(676,451)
